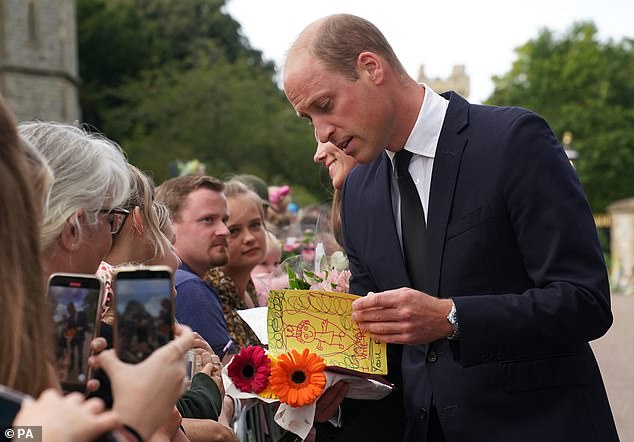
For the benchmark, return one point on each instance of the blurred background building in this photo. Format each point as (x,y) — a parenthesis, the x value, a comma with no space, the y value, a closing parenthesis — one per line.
(457,81)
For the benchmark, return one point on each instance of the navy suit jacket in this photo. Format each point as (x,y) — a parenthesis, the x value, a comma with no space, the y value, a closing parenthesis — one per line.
(511,239)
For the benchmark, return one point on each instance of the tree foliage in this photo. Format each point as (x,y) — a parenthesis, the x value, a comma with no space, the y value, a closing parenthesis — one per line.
(175,80)
(586,86)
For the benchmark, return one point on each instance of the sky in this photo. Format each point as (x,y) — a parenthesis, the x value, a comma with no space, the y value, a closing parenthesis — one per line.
(481,35)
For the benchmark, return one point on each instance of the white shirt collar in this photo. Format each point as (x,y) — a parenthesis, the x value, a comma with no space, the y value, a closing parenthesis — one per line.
(424,136)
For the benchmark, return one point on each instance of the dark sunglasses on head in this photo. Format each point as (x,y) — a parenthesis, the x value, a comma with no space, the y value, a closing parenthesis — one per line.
(116,218)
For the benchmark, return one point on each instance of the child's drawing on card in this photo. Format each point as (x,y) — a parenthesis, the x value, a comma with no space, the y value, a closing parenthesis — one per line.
(322,322)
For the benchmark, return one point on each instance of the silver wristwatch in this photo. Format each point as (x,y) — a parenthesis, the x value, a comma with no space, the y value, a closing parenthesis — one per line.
(452,317)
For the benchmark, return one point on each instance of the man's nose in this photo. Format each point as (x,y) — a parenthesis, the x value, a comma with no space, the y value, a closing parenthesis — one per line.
(223,230)
(320,154)
(323,131)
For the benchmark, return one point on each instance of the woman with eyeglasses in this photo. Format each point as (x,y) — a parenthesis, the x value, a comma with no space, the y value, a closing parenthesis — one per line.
(138,239)
(141,240)
(26,329)
(84,208)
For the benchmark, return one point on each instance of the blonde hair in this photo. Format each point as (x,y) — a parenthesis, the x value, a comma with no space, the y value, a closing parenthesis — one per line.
(235,188)
(163,217)
(142,196)
(25,327)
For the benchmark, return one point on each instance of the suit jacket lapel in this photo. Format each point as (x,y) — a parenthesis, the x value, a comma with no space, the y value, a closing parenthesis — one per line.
(451,144)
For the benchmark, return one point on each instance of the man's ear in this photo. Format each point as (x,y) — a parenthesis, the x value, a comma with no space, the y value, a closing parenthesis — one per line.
(70,235)
(372,65)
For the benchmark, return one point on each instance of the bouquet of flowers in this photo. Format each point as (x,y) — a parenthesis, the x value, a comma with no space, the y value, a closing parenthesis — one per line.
(296,379)
(331,274)
(295,371)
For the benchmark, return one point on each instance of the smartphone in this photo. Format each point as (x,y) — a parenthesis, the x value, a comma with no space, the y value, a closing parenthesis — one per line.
(191,364)
(144,320)
(75,302)
(10,404)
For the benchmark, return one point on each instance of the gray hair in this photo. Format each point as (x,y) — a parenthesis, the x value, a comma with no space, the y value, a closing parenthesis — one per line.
(40,175)
(89,171)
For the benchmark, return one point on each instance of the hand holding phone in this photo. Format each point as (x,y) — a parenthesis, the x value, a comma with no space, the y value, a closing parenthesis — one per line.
(144,299)
(75,301)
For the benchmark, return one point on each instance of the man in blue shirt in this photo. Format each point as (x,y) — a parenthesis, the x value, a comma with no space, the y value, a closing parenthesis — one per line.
(198,209)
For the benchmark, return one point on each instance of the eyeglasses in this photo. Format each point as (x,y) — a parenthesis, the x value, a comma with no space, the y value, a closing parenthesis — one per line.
(116,218)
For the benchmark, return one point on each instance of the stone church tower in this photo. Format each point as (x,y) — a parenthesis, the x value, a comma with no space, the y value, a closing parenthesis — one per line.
(458,81)
(39,74)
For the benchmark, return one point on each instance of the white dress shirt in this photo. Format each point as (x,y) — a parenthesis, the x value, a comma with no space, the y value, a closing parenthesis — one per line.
(422,142)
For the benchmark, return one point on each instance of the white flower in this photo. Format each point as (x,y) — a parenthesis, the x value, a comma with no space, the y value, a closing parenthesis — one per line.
(339,261)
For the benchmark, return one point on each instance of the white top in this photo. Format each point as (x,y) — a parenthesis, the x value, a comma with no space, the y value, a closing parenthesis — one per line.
(422,143)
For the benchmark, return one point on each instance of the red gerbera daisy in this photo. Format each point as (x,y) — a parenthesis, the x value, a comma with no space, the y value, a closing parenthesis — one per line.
(249,370)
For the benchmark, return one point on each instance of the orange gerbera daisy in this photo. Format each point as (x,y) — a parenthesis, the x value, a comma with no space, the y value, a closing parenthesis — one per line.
(298,379)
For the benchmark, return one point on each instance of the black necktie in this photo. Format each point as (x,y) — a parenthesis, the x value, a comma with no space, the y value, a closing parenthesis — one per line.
(413,229)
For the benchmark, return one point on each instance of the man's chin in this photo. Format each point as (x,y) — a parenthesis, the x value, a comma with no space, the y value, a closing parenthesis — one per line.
(218,260)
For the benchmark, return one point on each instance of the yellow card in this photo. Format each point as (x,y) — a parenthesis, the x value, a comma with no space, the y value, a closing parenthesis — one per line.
(322,322)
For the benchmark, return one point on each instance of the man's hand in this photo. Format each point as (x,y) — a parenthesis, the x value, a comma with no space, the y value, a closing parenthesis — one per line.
(403,316)
(328,404)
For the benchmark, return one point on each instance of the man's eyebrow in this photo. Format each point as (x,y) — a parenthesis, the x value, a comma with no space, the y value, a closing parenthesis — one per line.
(208,215)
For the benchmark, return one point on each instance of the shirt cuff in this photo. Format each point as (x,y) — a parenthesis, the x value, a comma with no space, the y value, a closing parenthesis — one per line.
(336,421)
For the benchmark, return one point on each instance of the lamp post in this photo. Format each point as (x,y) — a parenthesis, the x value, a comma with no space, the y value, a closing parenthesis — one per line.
(572,154)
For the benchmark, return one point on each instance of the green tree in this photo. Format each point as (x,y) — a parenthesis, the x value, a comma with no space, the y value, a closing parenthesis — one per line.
(581,84)
(172,79)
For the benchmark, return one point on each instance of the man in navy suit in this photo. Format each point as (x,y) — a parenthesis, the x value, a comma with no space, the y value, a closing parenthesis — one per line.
(496,308)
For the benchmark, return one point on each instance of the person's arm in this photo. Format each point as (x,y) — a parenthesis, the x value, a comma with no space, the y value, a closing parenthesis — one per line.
(202,400)
(158,380)
(169,429)
(205,430)
(198,307)
(569,303)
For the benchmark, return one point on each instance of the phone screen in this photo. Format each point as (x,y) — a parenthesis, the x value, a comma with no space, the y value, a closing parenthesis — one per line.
(145,312)
(74,302)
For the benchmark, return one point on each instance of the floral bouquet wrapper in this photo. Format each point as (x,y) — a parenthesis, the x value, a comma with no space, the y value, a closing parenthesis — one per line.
(296,380)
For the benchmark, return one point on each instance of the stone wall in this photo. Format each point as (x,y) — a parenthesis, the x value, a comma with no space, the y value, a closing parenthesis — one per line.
(38,59)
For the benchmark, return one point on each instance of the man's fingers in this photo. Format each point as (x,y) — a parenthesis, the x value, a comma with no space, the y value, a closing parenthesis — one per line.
(386,299)
(377,315)
(328,404)
(368,301)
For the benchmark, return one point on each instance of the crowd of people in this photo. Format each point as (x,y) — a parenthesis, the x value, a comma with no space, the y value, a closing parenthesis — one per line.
(468,234)
(88,211)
